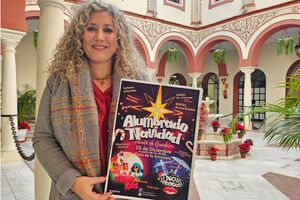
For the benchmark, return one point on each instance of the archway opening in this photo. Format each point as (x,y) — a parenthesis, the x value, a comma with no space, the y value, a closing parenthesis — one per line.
(258,93)
(210,85)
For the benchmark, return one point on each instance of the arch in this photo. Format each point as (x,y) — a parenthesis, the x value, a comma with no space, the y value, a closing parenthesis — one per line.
(204,49)
(177,79)
(162,65)
(258,92)
(292,69)
(186,47)
(263,35)
(142,48)
(205,82)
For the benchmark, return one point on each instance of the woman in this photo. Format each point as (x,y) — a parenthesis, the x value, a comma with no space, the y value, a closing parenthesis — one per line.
(72,137)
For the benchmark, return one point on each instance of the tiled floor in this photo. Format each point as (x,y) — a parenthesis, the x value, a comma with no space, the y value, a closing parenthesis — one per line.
(215,180)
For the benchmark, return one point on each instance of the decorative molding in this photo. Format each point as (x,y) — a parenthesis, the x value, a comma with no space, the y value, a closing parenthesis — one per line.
(151,29)
(196,12)
(246,27)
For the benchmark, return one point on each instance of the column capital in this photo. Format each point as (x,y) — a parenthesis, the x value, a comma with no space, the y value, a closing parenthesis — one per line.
(247,70)
(12,37)
(151,70)
(55,3)
(195,74)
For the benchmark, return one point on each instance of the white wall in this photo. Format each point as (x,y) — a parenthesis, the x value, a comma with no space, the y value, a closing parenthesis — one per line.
(275,68)
(267,3)
(218,13)
(231,9)
(175,15)
(135,6)
(26,62)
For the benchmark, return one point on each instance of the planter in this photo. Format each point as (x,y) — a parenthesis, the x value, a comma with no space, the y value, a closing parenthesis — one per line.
(199,136)
(215,128)
(21,135)
(243,154)
(213,157)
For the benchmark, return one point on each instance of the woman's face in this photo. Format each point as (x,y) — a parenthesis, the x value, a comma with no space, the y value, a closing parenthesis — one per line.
(100,38)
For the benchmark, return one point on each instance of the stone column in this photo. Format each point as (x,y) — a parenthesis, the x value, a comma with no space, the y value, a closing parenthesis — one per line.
(51,28)
(151,72)
(247,94)
(10,40)
(195,76)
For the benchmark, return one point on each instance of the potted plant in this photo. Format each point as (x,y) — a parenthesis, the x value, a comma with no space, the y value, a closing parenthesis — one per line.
(219,55)
(215,124)
(284,126)
(173,55)
(23,128)
(213,152)
(200,133)
(285,45)
(244,149)
(240,129)
(223,132)
(249,141)
(26,108)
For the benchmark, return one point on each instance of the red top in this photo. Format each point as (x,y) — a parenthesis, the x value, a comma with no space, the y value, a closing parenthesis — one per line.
(103,101)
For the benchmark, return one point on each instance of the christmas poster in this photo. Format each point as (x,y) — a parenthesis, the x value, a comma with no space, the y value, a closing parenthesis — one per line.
(153,141)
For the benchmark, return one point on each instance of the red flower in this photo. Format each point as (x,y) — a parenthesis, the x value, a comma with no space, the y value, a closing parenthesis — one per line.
(224,131)
(215,123)
(249,141)
(239,127)
(24,125)
(213,151)
(201,130)
(244,147)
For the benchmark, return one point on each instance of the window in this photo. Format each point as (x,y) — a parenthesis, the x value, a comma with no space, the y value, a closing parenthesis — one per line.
(215,3)
(179,4)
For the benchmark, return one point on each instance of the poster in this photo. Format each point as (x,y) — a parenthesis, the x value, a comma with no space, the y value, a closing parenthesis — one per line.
(153,141)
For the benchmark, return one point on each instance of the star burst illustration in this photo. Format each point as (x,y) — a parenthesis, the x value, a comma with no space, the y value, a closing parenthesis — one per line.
(157,108)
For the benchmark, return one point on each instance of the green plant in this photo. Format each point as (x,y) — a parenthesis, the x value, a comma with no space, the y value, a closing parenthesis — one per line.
(173,55)
(219,56)
(284,116)
(285,45)
(26,103)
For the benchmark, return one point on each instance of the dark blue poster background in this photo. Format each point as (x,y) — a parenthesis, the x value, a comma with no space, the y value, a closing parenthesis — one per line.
(153,141)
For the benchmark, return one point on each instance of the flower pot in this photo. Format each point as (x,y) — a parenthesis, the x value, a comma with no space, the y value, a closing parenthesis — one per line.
(213,157)
(243,154)
(21,135)
(215,128)
(199,136)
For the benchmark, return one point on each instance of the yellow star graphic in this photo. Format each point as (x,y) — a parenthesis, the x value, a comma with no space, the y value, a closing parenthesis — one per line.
(157,109)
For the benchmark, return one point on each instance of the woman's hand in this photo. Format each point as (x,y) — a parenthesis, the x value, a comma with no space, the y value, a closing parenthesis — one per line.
(83,187)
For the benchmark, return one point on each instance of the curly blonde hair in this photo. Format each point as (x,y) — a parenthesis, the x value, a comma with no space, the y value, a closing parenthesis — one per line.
(69,56)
